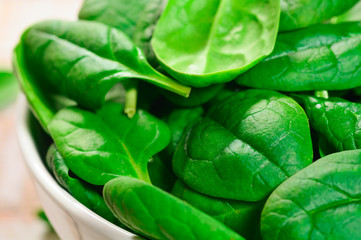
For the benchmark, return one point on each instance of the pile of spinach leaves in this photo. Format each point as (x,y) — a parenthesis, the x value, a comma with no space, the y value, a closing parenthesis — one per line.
(198,119)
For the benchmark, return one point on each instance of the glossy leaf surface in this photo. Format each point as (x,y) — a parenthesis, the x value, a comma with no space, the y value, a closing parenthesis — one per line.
(301,13)
(320,57)
(336,120)
(99,147)
(248,143)
(84,60)
(214,41)
(79,189)
(137,18)
(159,215)
(242,217)
(320,202)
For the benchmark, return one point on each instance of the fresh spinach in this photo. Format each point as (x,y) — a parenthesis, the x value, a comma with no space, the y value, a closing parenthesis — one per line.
(201,42)
(242,217)
(84,60)
(352,15)
(247,145)
(321,57)
(116,145)
(301,13)
(336,120)
(159,215)
(321,201)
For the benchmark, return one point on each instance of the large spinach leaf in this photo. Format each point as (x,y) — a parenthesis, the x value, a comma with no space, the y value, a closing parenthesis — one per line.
(320,202)
(159,215)
(137,18)
(201,42)
(84,60)
(321,57)
(301,13)
(99,147)
(336,120)
(242,217)
(248,143)
(79,189)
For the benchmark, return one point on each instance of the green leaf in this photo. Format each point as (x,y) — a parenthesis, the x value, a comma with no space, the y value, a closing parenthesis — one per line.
(336,120)
(302,13)
(202,42)
(102,146)
(320,57)
(84,60)
(242,217)
(321,201)
(156,214)
(137,19)
(8,88)
(80,190)
(350,16)
(160,174)
(248,143)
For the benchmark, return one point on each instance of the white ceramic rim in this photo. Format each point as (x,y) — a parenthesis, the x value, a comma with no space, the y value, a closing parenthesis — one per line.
(48,183)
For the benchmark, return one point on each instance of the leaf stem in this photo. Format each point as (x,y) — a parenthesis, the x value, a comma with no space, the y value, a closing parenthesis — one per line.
(130,107)
(169,84)
(322,94)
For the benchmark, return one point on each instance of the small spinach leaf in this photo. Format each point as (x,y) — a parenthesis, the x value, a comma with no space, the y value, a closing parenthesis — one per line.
(248,143)
(159,215)
(8,88)
(320,57)
(202,42)
(321,201)
(99,147)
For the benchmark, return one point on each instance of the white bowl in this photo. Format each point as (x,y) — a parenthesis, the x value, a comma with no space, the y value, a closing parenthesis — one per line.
(71,220)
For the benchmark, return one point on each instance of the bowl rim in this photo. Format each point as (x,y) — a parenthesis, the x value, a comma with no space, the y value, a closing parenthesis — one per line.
(41,175)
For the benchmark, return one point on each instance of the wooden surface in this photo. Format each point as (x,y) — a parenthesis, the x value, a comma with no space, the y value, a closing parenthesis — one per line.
(18,200)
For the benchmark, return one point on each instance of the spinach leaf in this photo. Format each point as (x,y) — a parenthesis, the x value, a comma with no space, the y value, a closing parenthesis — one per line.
(8,88)
(201,42)
(137,19)
(302,13)
(247,145)
(352,15)
(84,60)
(197,97)
(242,217)
(321,57)
(321,201)
(159,215)
(102,146)
(335,119)
(79,189)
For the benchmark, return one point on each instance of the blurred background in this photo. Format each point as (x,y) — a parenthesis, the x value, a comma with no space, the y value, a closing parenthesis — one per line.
(19,205)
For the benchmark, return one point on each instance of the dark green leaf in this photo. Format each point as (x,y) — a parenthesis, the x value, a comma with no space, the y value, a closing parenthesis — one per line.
(247,145)
(159,215)
(320,57)
(202,42)
(320,202)
(160,174)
